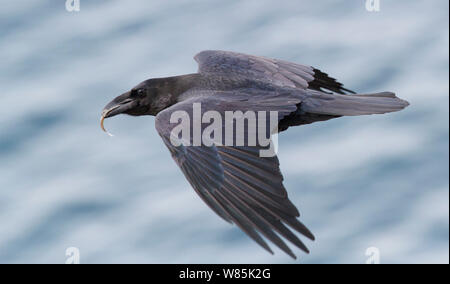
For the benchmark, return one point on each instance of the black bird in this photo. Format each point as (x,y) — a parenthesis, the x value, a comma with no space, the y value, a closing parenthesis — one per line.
(234,181)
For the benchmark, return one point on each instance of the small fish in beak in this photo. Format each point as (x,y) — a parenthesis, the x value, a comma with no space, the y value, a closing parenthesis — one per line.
(105,115)
(102,120)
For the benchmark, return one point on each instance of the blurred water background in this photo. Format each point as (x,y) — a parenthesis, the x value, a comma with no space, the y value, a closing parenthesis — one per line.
(378,181)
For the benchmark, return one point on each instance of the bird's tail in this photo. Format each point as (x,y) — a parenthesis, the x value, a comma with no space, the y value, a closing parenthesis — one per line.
(349,105)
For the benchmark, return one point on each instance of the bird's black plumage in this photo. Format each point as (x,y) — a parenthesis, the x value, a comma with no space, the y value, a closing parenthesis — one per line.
(235,181)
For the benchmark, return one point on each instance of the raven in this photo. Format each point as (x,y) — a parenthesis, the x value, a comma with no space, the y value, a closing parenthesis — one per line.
(235,181)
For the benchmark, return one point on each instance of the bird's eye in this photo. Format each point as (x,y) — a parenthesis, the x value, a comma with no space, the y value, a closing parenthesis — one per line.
(137,92)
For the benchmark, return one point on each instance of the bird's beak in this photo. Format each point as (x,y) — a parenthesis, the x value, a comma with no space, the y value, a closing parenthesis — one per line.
(117,106)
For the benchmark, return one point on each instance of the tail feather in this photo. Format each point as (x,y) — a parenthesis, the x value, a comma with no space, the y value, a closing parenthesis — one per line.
(350,105)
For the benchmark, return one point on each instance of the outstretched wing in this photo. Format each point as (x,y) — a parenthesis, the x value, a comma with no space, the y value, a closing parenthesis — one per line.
(274,71)
(234,181)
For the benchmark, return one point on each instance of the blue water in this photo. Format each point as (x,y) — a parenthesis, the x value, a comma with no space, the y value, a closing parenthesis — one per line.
(359,182)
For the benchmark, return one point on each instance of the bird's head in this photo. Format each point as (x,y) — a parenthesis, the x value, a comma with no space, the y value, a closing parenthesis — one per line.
(147,98)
